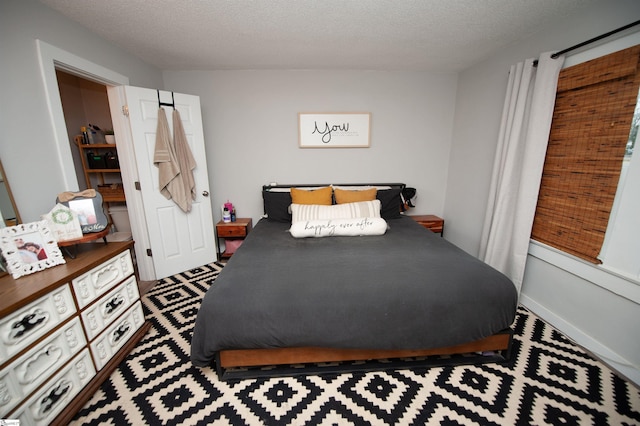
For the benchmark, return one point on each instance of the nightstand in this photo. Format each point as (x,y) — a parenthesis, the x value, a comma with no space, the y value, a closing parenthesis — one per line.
(237,230)
(431,222)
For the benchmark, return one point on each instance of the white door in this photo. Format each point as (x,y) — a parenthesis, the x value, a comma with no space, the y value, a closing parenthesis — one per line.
(178,241)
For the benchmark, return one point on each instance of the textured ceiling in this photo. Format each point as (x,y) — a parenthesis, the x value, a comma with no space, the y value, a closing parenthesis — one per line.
(435,35)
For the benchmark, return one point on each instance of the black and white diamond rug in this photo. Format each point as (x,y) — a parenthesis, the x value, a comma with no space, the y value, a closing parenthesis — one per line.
(550,381)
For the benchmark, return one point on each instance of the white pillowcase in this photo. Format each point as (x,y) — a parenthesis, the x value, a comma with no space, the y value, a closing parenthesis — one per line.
(339,227)
(306,212)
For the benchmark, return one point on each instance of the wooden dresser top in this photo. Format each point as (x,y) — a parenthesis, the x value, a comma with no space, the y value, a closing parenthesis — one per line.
(15,293)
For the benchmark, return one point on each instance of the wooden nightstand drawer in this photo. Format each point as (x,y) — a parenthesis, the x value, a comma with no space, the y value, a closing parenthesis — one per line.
(232,231)
(433,226)
(434,223)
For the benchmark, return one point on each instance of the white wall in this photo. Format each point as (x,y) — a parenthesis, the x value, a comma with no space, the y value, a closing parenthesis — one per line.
(251,130)
(27,147)
(587,309)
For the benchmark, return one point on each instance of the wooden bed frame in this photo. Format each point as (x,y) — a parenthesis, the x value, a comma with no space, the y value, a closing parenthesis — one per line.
(246,363)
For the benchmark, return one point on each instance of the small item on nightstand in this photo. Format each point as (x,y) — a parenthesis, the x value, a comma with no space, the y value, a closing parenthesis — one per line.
(228,206)
(226,216)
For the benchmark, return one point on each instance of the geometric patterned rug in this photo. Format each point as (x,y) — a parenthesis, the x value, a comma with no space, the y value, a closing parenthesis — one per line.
(549,381)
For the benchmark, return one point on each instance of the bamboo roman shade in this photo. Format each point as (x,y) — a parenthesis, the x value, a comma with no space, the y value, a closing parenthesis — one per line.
(594,108)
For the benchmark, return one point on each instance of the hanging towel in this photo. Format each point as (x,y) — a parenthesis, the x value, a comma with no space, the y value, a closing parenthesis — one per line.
(175,162)
(186,162)
(164,157)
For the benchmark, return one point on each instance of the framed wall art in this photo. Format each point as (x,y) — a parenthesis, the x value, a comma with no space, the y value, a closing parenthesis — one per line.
(334,130)
(29,248)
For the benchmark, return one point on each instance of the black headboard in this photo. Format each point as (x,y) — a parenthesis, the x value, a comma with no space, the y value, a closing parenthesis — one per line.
(277,207)
(308,185)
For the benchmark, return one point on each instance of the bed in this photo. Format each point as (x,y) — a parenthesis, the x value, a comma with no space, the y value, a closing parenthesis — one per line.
(318,299)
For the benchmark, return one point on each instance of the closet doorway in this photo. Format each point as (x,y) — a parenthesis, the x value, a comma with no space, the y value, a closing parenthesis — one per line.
(85,105)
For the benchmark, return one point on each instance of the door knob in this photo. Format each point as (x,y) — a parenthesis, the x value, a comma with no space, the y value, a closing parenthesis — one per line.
(205,193)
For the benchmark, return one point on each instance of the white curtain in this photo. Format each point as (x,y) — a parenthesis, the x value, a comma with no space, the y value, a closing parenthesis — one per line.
(517,168)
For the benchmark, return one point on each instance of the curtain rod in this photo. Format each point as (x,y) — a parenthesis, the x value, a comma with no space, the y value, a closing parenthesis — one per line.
(592,40)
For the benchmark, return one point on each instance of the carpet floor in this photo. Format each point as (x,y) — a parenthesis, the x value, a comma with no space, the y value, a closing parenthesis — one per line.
(549,381)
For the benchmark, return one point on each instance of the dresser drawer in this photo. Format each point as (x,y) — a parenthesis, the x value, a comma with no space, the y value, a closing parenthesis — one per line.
(93,284)
(29,323)
(29,371)
(99,315)
(57,393)
(116,335)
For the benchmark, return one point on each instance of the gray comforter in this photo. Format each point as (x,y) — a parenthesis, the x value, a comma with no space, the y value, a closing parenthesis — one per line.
(407,289)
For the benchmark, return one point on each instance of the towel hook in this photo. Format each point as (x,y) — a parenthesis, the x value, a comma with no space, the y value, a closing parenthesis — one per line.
(161,104)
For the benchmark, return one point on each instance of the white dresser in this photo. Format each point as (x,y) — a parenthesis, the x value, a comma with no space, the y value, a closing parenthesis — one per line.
(64,330)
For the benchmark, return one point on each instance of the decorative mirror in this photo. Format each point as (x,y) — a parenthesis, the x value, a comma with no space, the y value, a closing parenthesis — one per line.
(88,206)
(9,215)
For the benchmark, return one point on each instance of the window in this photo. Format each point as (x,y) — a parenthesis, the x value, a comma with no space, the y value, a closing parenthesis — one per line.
(592,120)
(621,249)
(633,134)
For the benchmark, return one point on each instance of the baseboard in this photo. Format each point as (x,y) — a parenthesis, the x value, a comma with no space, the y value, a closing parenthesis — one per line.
(597,349)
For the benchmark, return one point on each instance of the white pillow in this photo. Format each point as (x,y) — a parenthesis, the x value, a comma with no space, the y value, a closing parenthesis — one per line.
(300,212)
(339,227)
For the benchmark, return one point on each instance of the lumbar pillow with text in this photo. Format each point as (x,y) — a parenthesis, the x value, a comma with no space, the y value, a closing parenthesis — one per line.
(339,227)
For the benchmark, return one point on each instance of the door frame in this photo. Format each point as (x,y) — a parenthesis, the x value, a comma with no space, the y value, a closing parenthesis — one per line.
(52,58)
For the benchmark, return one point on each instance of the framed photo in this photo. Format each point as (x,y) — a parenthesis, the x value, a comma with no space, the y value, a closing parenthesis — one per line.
(334,130)
(29,248)
(63,223)
(89,211)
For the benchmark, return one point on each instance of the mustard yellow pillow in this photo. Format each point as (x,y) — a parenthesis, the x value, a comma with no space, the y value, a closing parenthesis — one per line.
(353,196)
(320,196)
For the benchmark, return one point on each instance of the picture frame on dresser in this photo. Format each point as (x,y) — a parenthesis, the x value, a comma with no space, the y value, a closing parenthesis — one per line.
(28,248)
